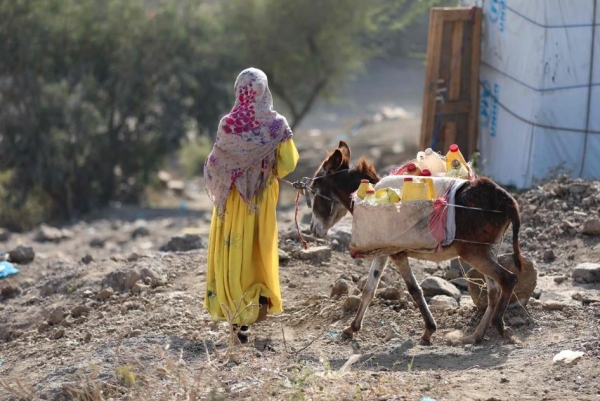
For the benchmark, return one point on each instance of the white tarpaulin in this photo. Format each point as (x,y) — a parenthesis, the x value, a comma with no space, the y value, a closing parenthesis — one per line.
(540,109)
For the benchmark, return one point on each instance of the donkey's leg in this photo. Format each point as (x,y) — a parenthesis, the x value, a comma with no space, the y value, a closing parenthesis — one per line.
(481,258)
(377,267)
(401,262)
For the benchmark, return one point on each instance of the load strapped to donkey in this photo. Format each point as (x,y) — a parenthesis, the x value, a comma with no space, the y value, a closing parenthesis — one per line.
(412,208)
(483,212)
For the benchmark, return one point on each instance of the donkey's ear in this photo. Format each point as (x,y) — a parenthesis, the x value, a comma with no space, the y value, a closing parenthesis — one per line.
(345,149)
(334,162)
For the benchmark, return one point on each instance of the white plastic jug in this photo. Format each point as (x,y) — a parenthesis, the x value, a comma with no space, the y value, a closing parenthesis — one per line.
(431,161)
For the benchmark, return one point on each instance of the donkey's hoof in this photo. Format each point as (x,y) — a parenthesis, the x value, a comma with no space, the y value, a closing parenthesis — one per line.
(509,335)
(348,332)
(424,341)
(471,339)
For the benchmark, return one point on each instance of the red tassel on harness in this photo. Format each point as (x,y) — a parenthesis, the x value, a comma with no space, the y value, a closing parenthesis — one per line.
(437,220)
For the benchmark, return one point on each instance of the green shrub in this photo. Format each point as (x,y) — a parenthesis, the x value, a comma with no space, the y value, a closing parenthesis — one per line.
(192,156)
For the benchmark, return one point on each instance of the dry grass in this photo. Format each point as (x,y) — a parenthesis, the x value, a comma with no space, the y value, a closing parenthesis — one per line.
(235,372)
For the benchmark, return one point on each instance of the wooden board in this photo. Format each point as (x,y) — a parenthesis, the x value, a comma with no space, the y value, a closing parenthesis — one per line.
(451,98)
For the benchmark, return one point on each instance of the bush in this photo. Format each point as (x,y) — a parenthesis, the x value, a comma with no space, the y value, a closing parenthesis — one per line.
(193,154)
(95,94)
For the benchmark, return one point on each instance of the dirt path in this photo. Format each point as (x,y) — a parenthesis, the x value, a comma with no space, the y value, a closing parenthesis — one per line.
(129,323)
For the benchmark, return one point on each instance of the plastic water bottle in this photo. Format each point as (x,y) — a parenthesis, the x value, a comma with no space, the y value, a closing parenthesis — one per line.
(370,195)
(431,161)
(457,170)
(415,190)
(455,154)
(364,186)
(412,169)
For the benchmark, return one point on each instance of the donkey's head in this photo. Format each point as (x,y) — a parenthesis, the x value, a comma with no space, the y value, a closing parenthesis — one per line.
(332,185)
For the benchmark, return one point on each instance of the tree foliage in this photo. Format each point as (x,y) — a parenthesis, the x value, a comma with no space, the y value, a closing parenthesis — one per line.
(95,93)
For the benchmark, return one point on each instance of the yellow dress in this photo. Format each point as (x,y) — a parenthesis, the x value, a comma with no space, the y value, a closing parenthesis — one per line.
(243,257)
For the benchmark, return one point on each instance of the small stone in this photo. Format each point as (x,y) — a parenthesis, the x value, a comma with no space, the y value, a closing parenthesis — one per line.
(87,259)
(516,321)
(134,257)
(87,337)
(549,255)
(587,273)
(341,287)
(283,256)
(578,187)
(138,288)
(443,302)
(21,254)
(183,243)
(315,253)
(58,334)
(390,294)
(42,327)
(135,333)
(141,231)
(52,234)
(534,303)
(559,279)
(132,279)
(342,234)
(567,357)
(80,310)
(591,226)
(56,316)
(351,303)
(98,242)
(105,294)
(10,291)
(433,286)
(554,305)
(46,290)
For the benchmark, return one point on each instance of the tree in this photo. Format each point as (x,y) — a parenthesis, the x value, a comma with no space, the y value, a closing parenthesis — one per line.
(305,47)
(309,47)
(96,93)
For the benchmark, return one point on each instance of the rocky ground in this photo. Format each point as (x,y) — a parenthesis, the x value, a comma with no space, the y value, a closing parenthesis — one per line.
(111,308)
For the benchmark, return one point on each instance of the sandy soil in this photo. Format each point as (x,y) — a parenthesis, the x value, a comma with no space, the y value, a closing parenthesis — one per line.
(128,323)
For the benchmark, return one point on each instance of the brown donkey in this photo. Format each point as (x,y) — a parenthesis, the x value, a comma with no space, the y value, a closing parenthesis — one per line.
(487,212)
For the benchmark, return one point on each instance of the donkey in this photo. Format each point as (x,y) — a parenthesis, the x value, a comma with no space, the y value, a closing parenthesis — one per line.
(487,212)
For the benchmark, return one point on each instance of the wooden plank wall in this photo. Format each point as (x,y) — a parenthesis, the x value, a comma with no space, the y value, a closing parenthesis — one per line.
(451,98)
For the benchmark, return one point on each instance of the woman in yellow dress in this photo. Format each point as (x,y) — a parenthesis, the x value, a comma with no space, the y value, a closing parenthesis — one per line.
(253,147)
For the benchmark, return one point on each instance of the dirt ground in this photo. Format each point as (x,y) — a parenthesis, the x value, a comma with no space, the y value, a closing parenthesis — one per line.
(126,322)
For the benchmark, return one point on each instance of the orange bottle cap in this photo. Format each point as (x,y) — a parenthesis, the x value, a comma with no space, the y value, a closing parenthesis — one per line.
(370,191)
(364,181)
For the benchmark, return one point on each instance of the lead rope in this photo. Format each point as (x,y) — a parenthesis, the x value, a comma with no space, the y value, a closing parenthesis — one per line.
(301,187)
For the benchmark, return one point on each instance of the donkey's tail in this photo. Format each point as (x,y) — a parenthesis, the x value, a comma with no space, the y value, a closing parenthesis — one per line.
(512,209)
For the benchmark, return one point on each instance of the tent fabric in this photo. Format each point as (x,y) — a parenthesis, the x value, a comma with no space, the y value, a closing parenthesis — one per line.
(540,89)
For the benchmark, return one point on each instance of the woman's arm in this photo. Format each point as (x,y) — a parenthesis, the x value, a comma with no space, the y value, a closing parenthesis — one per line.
(287,158)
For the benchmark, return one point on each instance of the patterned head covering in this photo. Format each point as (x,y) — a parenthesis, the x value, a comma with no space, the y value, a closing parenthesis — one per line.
(244,152)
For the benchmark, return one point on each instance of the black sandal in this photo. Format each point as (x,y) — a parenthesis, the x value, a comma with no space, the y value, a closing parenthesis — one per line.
(242,333)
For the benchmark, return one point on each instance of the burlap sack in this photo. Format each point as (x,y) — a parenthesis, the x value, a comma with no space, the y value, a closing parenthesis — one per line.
(419,226)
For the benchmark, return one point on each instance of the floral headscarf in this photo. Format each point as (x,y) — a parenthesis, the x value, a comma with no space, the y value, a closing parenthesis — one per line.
(244,152)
